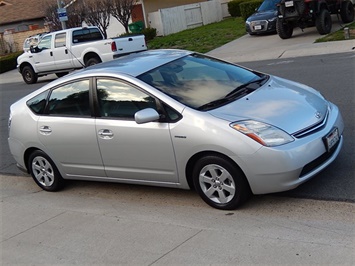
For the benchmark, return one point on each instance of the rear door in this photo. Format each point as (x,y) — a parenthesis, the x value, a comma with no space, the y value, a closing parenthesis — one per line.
(68,131)
(62,55)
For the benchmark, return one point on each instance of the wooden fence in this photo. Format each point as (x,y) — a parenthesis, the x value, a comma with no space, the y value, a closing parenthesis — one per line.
(175,19)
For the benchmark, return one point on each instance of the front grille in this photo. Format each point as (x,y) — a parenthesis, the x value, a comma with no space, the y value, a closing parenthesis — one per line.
(318,162)
(312,129)
(262,23)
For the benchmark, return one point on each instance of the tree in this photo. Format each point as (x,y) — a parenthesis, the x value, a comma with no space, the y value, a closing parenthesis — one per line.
(97,13)
(122,10)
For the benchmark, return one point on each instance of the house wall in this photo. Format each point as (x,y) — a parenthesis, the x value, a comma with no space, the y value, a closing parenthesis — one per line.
(17,39)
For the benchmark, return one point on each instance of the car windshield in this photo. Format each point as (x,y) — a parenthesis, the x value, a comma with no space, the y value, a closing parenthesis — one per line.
(268,5)
(201,82)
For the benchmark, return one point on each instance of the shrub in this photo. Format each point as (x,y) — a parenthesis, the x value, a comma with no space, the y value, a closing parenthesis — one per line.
(234,7)
(248,8)
(8,62)
(149,33)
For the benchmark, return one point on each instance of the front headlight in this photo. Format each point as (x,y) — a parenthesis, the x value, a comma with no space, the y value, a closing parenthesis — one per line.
(265,134)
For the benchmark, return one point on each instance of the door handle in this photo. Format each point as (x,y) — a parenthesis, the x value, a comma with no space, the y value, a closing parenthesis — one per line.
(45,130)
(66,51)
(51,53)
(105,134)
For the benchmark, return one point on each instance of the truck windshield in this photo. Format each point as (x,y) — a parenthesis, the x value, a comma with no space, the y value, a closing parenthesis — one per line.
(86,35)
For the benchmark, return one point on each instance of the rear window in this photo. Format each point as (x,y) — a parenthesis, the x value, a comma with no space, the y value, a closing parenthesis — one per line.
(38,103)
(86,35)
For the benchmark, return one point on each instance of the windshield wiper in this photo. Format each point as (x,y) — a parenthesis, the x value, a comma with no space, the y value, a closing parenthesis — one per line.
(212,104)
(240,91)
(245,88)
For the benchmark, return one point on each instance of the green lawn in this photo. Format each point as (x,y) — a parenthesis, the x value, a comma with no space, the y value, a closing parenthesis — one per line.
(204,38)
(336,36)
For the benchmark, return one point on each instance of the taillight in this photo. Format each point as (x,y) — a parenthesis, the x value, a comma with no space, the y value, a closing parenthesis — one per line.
(113,46)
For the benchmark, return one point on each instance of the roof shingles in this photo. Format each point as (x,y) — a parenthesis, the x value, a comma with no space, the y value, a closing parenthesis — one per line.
(19,10)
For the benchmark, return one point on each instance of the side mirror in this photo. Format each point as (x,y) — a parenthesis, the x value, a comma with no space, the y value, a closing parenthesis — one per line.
(146,115)
(34,49)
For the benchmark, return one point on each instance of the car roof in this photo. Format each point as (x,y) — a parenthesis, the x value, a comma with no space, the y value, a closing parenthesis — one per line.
(138,63)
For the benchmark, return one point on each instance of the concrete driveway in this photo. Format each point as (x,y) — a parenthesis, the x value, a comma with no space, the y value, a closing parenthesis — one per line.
(264,47)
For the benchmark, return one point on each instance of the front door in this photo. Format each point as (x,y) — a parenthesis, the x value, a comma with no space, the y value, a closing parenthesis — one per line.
(44,59)
(131,151)
(62,55)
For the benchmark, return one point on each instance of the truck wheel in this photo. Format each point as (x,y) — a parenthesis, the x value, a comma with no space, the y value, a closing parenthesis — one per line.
(347,12)
(284,29)
(93,61)
(324,22)
(28,75)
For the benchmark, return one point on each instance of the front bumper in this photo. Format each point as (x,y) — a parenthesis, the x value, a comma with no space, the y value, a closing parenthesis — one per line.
(260,26)
(287,166)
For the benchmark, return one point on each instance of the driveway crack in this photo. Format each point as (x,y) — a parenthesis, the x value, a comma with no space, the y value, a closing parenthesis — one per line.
(176,247)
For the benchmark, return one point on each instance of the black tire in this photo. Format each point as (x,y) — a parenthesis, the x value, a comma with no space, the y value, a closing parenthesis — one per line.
(93,61)
(226,194)
(28,75)
(44,172)
(294,11)
(284,29)
(324,22)
(347,12)
(61,74)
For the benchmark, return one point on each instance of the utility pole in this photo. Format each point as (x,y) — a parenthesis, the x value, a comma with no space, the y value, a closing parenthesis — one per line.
(64,25)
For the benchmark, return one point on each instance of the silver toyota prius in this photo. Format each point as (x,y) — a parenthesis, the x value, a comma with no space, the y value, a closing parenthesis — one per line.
(175,118)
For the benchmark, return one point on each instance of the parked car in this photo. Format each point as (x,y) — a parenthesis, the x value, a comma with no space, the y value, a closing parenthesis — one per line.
(180,119)
(62,51)
(264,19)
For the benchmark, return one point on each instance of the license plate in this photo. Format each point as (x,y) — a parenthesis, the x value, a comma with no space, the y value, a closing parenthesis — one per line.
(257,27)
(288,3)
(331,139)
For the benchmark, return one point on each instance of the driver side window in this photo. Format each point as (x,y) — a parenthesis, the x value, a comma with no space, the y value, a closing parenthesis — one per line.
(121,100)
(45,43)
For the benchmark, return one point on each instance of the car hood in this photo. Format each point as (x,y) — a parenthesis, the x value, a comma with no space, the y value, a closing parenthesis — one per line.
(282,103)
(263,15)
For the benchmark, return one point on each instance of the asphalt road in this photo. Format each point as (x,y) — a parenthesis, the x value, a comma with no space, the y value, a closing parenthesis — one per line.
(332,75)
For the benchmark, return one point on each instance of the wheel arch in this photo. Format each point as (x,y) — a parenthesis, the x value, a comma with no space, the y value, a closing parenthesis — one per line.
(23,64)
(26,157)
(90,55)
(192,162)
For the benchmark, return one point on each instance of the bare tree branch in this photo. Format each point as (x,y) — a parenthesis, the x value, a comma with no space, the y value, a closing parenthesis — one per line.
(122,10)
(97,13)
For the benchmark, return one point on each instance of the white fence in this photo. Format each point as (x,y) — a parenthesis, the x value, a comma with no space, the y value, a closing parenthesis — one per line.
(175,19)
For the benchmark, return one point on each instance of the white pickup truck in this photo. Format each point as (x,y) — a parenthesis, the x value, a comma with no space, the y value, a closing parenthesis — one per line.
(63,51)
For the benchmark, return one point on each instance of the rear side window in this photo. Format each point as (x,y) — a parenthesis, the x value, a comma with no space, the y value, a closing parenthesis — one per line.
(60,40)
(38,103)
(70,100)
(86,35)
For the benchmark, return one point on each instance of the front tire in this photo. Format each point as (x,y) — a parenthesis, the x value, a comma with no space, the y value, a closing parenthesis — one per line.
(28,75)
(284,29)
(324,22)
(44,172)
(220,183)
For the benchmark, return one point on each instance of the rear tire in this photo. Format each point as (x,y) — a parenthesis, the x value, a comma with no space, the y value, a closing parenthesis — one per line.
(284,29)
(28,75)
(347,12)
(220,183)
(324,22)
(92,61)
(44,172)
